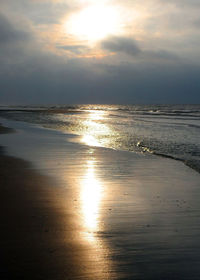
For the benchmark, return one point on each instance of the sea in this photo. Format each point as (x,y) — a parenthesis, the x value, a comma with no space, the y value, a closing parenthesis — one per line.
(171,131)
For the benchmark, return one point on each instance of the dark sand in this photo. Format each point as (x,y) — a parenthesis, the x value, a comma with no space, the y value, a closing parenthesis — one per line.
(38,234)
(4,129)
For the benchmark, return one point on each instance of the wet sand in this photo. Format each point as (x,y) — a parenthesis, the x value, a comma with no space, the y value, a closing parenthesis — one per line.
(96,213)
(39,236)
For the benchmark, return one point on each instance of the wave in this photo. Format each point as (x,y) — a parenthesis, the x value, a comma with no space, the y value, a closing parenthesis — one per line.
(151,129)
(192,163)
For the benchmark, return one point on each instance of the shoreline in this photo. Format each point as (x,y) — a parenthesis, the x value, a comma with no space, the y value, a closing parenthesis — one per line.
(186,162)
(193,164)
(97,213)
(6,130)
(38,231)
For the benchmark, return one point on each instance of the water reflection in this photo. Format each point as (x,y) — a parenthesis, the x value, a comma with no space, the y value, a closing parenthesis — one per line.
(96,115)
(91,195)
(91,188)
(95,130)
(90,140)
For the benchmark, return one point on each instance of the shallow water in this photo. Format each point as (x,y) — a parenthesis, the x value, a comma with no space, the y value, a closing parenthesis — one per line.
(171,131)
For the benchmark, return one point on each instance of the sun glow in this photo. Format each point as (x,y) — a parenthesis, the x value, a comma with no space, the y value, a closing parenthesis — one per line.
(94,23)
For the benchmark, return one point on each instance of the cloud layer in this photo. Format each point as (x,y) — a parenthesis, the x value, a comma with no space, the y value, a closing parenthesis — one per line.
(155,61)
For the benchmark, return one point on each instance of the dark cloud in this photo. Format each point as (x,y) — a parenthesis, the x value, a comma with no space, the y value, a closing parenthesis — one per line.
(154,83)
(46,80)
(77,49)
(9,33)
(161,54)
(130,47)
(121,44)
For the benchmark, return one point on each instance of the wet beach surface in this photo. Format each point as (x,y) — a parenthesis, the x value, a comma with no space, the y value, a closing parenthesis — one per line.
(95,213)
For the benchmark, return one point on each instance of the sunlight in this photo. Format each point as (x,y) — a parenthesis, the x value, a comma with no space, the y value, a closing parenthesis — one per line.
(95,129)
(91,194)
(90,141)
(94,22)
(96,115)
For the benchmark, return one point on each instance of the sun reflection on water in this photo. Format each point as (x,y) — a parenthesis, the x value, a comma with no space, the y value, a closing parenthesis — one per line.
(91,195)
(97,115)
(90,140)
(95,129)
(91,201)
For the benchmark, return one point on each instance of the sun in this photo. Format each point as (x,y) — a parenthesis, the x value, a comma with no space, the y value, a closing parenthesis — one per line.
(94,23)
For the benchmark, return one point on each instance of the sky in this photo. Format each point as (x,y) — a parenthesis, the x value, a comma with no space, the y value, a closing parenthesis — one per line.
(99,51)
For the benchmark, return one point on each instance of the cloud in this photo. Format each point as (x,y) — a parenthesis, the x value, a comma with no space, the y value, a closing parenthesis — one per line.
(38,11)
(121,44)
(196,23)
(50,80)
(162,67)
(76,49)
(161,54)
(182,3)
(9,33)
(33,76)
(130,47)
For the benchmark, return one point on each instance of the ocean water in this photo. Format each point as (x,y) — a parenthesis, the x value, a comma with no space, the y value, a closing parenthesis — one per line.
(170,131)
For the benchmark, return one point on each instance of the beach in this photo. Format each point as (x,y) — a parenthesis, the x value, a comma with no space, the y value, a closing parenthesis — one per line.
(99,140)
(38,229)
(74,211)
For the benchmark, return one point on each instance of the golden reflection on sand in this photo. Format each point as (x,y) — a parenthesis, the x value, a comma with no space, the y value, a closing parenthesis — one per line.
(91,187)
(89,190)
(90,140)
(91,199)
(91,195)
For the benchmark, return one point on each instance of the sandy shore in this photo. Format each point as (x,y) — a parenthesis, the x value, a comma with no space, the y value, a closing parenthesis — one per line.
(97,213)
(39,236)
